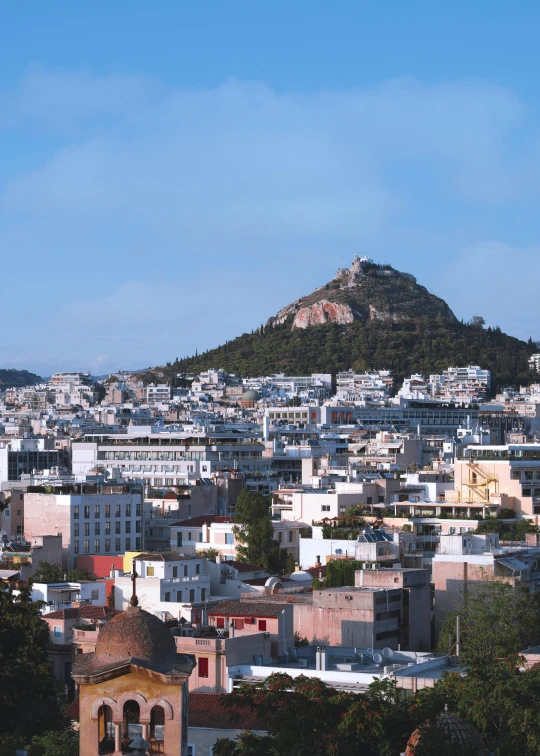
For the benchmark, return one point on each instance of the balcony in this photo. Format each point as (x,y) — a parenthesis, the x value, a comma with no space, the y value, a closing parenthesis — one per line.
(188,579)
(193,645)
(88,636)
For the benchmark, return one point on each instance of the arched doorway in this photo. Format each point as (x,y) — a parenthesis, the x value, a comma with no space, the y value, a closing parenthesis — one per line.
(105,730)
(131,724)
(157,729)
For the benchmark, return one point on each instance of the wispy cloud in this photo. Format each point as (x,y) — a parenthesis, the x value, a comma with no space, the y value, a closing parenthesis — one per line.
(171,219)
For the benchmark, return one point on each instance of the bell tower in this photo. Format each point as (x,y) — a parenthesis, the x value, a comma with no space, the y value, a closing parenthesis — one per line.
(134,685)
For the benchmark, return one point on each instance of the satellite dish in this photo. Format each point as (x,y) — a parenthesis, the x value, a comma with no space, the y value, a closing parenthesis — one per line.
(387,653)
(338,551)
(369,651)
(377,658)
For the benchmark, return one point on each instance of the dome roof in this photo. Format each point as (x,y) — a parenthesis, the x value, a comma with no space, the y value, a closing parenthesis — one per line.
(453,731)
(134,634)
(251,396)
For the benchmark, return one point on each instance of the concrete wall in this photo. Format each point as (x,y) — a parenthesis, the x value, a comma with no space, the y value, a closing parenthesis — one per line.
(49,514)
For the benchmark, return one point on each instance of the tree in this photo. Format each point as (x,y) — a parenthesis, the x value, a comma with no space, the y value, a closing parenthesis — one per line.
(210,553)
(306,718)
(53,573)
(30,699)
(477,321)
(64,743)
(496,620)
(255,534)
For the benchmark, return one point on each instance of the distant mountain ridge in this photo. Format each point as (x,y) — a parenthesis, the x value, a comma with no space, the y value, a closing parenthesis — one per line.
(10,378)
(368,317)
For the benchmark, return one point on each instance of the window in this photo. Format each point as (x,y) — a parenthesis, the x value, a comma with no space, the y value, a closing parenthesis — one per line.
(117,545)
(87,547)
(118,510)
(107,545)
(185,570)
(175,572)
(107,528)
(107,510)
(369,500)
(220,622)
(76,529)
(190,750)
(192,595)
(97,512)
(75,547)
(238,623)
(138,510)
(149,572)
(380,499)
(57,631)
(229,539)
(167,596)
(97,528)
(203,666)
(325,507)
(179,538)
(262,625)
(291,536)
(87,513)
(87,528)
(75,513)
(138,526)
(128,526)
(138,543)
(94,595)
(128,544)
(203,594)
(197,569)
(117,527)
(200,537)
(96,546)
(128,510)
(189,536)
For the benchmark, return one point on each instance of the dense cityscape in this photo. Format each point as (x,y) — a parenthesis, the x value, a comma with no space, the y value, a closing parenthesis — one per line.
(269,378)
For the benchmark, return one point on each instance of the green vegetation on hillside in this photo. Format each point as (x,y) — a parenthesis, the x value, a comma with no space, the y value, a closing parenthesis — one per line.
(423,345)
(17,379)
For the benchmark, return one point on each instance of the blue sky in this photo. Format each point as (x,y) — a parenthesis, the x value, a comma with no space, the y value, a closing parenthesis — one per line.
(173,173)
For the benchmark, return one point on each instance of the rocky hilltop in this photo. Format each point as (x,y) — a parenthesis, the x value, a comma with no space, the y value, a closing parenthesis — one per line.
(368,317)
(365,291)
(17,379)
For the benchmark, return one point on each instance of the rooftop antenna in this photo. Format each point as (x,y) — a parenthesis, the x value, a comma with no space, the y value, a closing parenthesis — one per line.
(134,601)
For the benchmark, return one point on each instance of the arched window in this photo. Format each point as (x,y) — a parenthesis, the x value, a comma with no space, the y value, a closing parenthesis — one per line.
(105,730)
(132,726)
(157,727)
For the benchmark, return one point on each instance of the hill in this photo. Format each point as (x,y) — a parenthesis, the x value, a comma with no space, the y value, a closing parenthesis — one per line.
(17,379)
(368,317)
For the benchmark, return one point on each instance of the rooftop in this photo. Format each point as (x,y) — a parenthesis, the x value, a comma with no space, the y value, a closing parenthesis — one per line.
(247,609)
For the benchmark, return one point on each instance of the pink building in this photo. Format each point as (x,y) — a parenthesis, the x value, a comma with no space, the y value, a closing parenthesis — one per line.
(244,618)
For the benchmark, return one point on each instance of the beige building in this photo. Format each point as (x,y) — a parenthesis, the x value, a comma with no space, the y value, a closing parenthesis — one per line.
(504,476)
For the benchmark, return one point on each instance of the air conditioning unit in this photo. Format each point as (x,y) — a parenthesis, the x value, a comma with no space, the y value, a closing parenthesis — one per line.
(302,663)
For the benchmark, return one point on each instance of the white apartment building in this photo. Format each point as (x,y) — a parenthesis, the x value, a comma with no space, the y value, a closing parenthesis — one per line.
(22,456)
(67,594)
(169,459)
(205,532)
(166,583)
(106,522)
(455,384)
(375,385)
(158,393)
(534,362)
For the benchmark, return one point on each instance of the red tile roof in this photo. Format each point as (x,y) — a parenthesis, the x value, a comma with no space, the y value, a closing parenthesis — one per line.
(198,522)
(247,609)
(208,710)
(73,710)
(83,612)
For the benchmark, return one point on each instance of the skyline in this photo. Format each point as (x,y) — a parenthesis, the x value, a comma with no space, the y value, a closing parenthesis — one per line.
(158,198)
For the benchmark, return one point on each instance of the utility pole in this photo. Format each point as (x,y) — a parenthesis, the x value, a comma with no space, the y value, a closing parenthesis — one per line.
(458,641)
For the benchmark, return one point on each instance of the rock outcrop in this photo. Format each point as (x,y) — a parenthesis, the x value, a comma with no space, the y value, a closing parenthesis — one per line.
(365,291)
